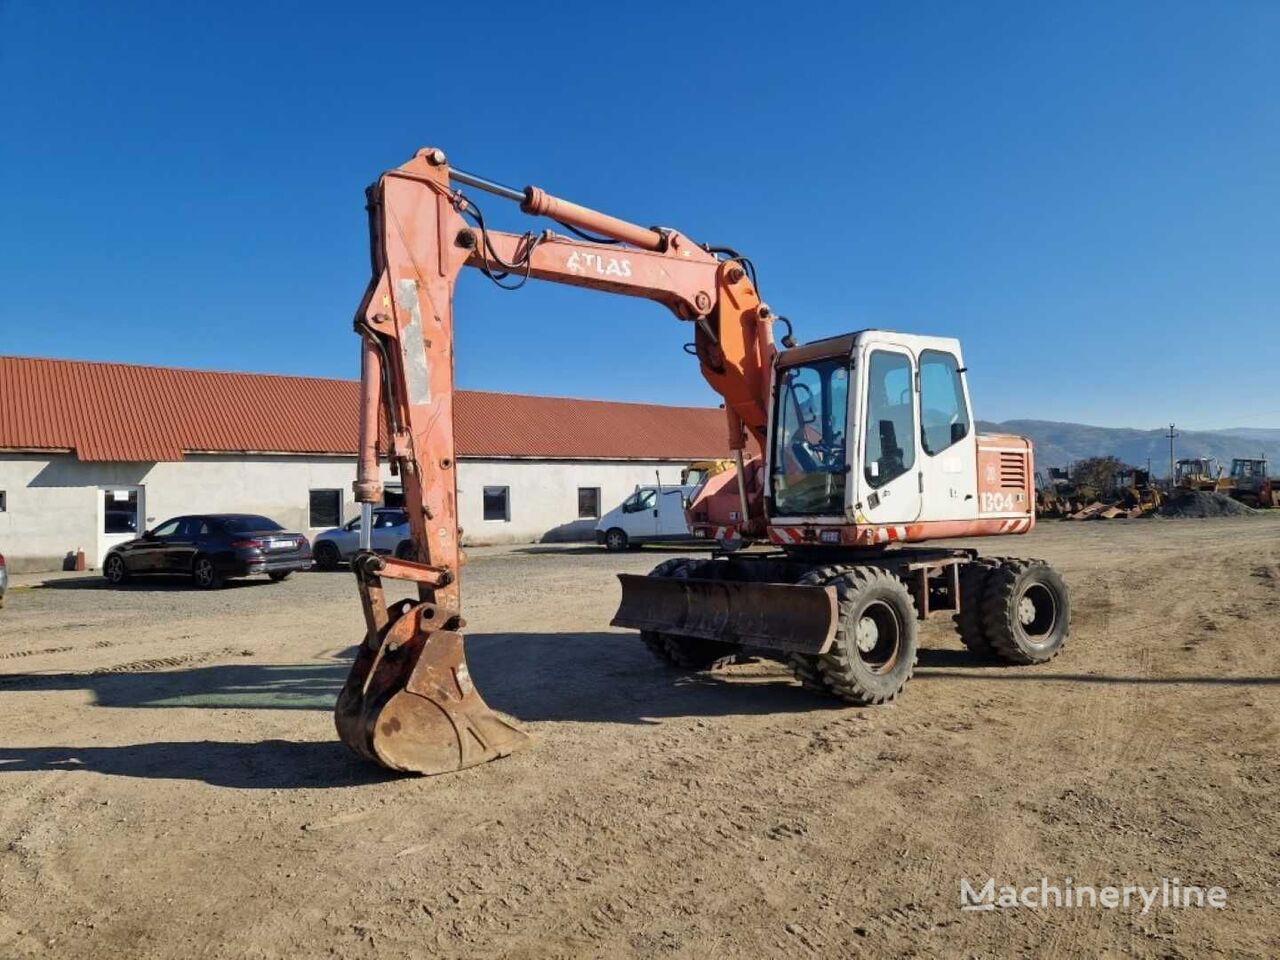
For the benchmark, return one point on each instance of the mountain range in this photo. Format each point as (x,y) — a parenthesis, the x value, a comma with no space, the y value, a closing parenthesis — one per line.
(1060,444)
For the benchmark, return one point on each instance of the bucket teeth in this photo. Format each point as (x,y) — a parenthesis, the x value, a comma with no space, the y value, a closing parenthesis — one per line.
(411,705)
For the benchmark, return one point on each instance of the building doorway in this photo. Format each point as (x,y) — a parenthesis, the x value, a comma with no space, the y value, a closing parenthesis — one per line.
(121,516)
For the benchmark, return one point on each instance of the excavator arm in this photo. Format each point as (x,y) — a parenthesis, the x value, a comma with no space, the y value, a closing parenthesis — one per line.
(409,702)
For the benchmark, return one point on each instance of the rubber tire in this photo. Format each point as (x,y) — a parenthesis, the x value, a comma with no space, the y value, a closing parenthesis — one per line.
(280,577)
(214,579)
(618,543)
(804,667)
(688,653)
(115,559)
(326,556)
(848,676)
(405,550)
(973,588)
(1000,621)
(969,621)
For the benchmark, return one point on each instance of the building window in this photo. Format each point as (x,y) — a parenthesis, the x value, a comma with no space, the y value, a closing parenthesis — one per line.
(497,503)
(120,511)
(589,503)
(3,503)
(326,508)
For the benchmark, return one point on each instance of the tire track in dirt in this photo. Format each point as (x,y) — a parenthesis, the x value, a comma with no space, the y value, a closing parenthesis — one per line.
(181,660)
(15,654)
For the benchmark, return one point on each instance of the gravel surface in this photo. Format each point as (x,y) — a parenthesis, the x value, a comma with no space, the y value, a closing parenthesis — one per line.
(1201,504)
(171,786)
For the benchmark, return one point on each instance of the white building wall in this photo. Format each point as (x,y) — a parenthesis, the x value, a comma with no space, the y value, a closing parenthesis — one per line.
(543,495)
(52,500)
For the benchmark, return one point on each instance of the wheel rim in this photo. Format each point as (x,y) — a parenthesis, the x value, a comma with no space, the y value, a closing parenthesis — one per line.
(1037,613)
(204,573)
(114,569)
(878,636)
(614,540)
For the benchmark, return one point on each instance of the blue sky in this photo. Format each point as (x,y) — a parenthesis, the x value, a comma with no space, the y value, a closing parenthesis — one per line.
(1087,194)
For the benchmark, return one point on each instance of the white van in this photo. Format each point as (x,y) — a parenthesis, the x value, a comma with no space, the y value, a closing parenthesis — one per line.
(652,514)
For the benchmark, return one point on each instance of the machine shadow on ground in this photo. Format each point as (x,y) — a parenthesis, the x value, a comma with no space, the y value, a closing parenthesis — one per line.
(581,677)
(265,765)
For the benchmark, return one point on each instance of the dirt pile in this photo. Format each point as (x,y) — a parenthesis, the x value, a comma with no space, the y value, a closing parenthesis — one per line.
(1200,503)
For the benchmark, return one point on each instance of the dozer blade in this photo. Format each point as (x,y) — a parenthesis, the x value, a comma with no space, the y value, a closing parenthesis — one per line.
(410,705)
(775,616)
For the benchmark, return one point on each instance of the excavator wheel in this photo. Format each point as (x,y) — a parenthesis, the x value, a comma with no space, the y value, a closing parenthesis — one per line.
(974,578)
(874,651)
(805,667)
(688,653)
(973,587)
(1026,611)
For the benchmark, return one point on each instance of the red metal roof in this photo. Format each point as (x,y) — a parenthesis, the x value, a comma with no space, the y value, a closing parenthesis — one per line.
(117,411)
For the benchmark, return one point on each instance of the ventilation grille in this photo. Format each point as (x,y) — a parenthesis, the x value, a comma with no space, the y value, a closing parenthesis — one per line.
(1013,470)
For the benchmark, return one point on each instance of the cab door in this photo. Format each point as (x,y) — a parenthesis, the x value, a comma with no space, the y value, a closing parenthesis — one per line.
(948,441)
(890,480)
(640,514)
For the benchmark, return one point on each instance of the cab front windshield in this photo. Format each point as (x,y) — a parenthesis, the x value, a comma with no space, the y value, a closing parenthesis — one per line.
(808,463)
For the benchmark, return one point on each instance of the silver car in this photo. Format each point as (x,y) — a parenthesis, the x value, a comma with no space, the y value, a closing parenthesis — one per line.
(390,536)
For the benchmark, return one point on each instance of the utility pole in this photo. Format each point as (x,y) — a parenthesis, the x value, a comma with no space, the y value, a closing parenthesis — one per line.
(1172,435)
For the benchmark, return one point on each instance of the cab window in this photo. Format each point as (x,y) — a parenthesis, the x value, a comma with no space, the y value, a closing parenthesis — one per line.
(890,444)
(640,500)
(944,416)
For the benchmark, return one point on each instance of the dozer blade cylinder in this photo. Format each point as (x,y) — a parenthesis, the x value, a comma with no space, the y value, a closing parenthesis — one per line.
(774,616)
(410,704)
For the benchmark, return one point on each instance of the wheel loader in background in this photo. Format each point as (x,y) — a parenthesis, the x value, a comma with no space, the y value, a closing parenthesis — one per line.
(1251,483)
(850,453)
(698,471)
(1199,473)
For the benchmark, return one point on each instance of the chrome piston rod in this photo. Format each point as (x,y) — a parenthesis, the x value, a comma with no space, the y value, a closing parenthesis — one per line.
(487,185)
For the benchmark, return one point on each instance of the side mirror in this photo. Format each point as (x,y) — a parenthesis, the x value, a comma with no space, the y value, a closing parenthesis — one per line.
(148,535)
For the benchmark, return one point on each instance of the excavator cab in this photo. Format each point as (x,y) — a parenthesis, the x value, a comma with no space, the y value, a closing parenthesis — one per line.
(865,427)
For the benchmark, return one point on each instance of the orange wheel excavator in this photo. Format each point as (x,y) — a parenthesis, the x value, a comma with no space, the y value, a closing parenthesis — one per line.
(850,453)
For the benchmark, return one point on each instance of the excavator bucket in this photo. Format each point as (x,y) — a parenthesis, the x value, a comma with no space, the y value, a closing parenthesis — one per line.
(772,616)
(409,704)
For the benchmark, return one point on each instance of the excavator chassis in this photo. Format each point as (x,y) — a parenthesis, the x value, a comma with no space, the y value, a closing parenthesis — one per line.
(758,601)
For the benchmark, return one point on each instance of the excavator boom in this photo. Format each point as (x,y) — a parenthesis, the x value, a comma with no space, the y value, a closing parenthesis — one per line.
(409,702)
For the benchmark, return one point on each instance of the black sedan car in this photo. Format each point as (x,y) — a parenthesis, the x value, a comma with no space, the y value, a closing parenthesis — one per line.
(210,548)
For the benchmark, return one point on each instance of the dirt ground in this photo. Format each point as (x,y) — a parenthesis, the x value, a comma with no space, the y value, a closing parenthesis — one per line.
(170,784)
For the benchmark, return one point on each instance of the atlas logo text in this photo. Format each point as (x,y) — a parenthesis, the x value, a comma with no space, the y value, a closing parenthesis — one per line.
(594,263)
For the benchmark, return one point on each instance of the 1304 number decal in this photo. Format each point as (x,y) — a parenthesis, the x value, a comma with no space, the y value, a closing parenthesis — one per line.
(997,502)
